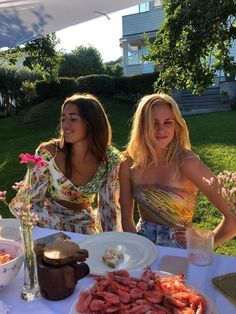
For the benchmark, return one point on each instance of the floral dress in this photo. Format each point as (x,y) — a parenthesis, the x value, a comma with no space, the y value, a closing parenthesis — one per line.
(97,200)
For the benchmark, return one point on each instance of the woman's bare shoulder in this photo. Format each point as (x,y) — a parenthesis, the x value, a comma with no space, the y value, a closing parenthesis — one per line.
(51,146)
(191,162)
(189,154)
(195,169)
(126,165)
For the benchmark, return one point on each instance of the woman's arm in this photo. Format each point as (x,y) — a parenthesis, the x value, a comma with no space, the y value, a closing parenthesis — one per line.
(195,170)
(126,198)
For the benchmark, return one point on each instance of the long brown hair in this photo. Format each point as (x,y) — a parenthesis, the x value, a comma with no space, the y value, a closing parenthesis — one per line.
(98,129)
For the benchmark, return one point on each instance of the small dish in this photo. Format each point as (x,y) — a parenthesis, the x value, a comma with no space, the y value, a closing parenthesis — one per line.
(10,269)
(139,252)
(11,233)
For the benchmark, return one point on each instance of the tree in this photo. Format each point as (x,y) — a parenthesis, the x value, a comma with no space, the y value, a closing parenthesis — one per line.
(40,54)
(81,61)
(192,43)
(114,68)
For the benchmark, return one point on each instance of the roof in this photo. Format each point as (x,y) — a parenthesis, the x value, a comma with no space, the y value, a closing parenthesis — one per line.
(26,20)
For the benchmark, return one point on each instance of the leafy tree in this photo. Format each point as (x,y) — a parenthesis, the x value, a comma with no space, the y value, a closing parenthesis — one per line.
(119,60)
(114,68)
(40,54)
(13,97)
(69,65)
(193,41)
(81,61)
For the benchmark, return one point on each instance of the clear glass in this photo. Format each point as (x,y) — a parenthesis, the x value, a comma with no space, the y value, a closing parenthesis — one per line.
(30,290)
(200,245)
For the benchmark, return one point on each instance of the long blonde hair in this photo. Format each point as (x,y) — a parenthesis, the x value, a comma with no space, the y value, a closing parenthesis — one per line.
(141,145)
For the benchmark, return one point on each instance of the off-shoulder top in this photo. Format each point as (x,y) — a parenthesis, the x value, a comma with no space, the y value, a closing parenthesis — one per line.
(48,182)
(61,188)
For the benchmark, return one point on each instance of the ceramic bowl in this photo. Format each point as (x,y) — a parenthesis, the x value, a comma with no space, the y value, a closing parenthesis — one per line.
(9,270)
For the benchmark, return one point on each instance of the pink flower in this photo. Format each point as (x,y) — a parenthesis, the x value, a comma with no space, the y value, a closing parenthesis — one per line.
(226,187)
(31,160)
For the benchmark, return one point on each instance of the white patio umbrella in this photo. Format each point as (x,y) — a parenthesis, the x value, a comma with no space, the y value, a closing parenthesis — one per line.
(25,20)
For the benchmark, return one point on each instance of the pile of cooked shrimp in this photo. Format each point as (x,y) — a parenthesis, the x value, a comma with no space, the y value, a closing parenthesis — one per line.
(119,292)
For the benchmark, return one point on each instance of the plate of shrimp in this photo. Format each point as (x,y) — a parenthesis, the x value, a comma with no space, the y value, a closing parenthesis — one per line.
(143,291)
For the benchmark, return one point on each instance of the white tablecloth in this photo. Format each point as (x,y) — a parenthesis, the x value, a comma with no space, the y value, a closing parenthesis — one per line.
(199,276)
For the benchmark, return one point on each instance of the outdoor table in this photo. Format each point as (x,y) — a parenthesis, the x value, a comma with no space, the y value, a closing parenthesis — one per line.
(197,275)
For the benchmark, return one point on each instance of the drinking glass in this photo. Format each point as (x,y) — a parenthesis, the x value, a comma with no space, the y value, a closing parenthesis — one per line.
(200,245)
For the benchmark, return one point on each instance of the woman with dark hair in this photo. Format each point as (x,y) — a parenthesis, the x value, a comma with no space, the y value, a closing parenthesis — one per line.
(77,189)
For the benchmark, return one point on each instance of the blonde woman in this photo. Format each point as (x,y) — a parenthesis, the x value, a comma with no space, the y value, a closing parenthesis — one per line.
(163,176)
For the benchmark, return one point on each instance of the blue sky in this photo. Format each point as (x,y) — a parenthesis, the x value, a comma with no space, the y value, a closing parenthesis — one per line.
(101,33)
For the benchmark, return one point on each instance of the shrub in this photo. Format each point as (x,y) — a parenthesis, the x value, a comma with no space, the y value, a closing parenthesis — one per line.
(96,84)
(68,86)
(46,89)
(140,84)
(62,88)
(10,88)
(28,94)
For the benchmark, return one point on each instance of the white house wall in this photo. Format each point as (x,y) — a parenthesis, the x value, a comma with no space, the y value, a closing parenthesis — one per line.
(133,28)
(142,22)
(134,69)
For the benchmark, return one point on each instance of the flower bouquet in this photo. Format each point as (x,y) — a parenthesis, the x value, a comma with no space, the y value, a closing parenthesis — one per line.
(226,187)
(227,184)
(30,289)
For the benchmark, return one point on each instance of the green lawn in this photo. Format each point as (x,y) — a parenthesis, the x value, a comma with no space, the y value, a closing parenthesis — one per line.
(212,136)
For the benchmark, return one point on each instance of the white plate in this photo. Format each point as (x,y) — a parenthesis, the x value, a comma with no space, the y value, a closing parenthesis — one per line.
(138,251)
(211,309)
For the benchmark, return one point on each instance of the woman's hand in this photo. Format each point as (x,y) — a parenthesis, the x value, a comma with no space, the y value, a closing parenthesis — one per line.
(17,185)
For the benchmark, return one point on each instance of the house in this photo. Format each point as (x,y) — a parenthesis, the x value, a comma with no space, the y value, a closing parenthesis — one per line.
(147,20)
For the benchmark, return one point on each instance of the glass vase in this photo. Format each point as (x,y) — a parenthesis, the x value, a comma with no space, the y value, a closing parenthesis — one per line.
(30,290)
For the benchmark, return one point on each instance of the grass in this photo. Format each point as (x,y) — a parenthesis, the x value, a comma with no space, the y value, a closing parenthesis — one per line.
(212,136)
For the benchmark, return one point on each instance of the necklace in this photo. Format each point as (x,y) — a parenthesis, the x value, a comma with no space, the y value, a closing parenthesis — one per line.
(162,165)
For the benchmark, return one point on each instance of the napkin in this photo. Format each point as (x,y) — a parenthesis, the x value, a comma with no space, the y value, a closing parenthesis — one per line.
(174,264)
(226,284)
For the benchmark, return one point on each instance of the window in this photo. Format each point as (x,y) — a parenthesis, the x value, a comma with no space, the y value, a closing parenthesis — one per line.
(133,54)
(143,7)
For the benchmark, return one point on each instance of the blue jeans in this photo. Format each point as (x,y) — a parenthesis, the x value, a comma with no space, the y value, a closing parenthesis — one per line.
(159,234)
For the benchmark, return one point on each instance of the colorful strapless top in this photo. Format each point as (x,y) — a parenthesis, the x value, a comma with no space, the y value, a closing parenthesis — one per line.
(166,205)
